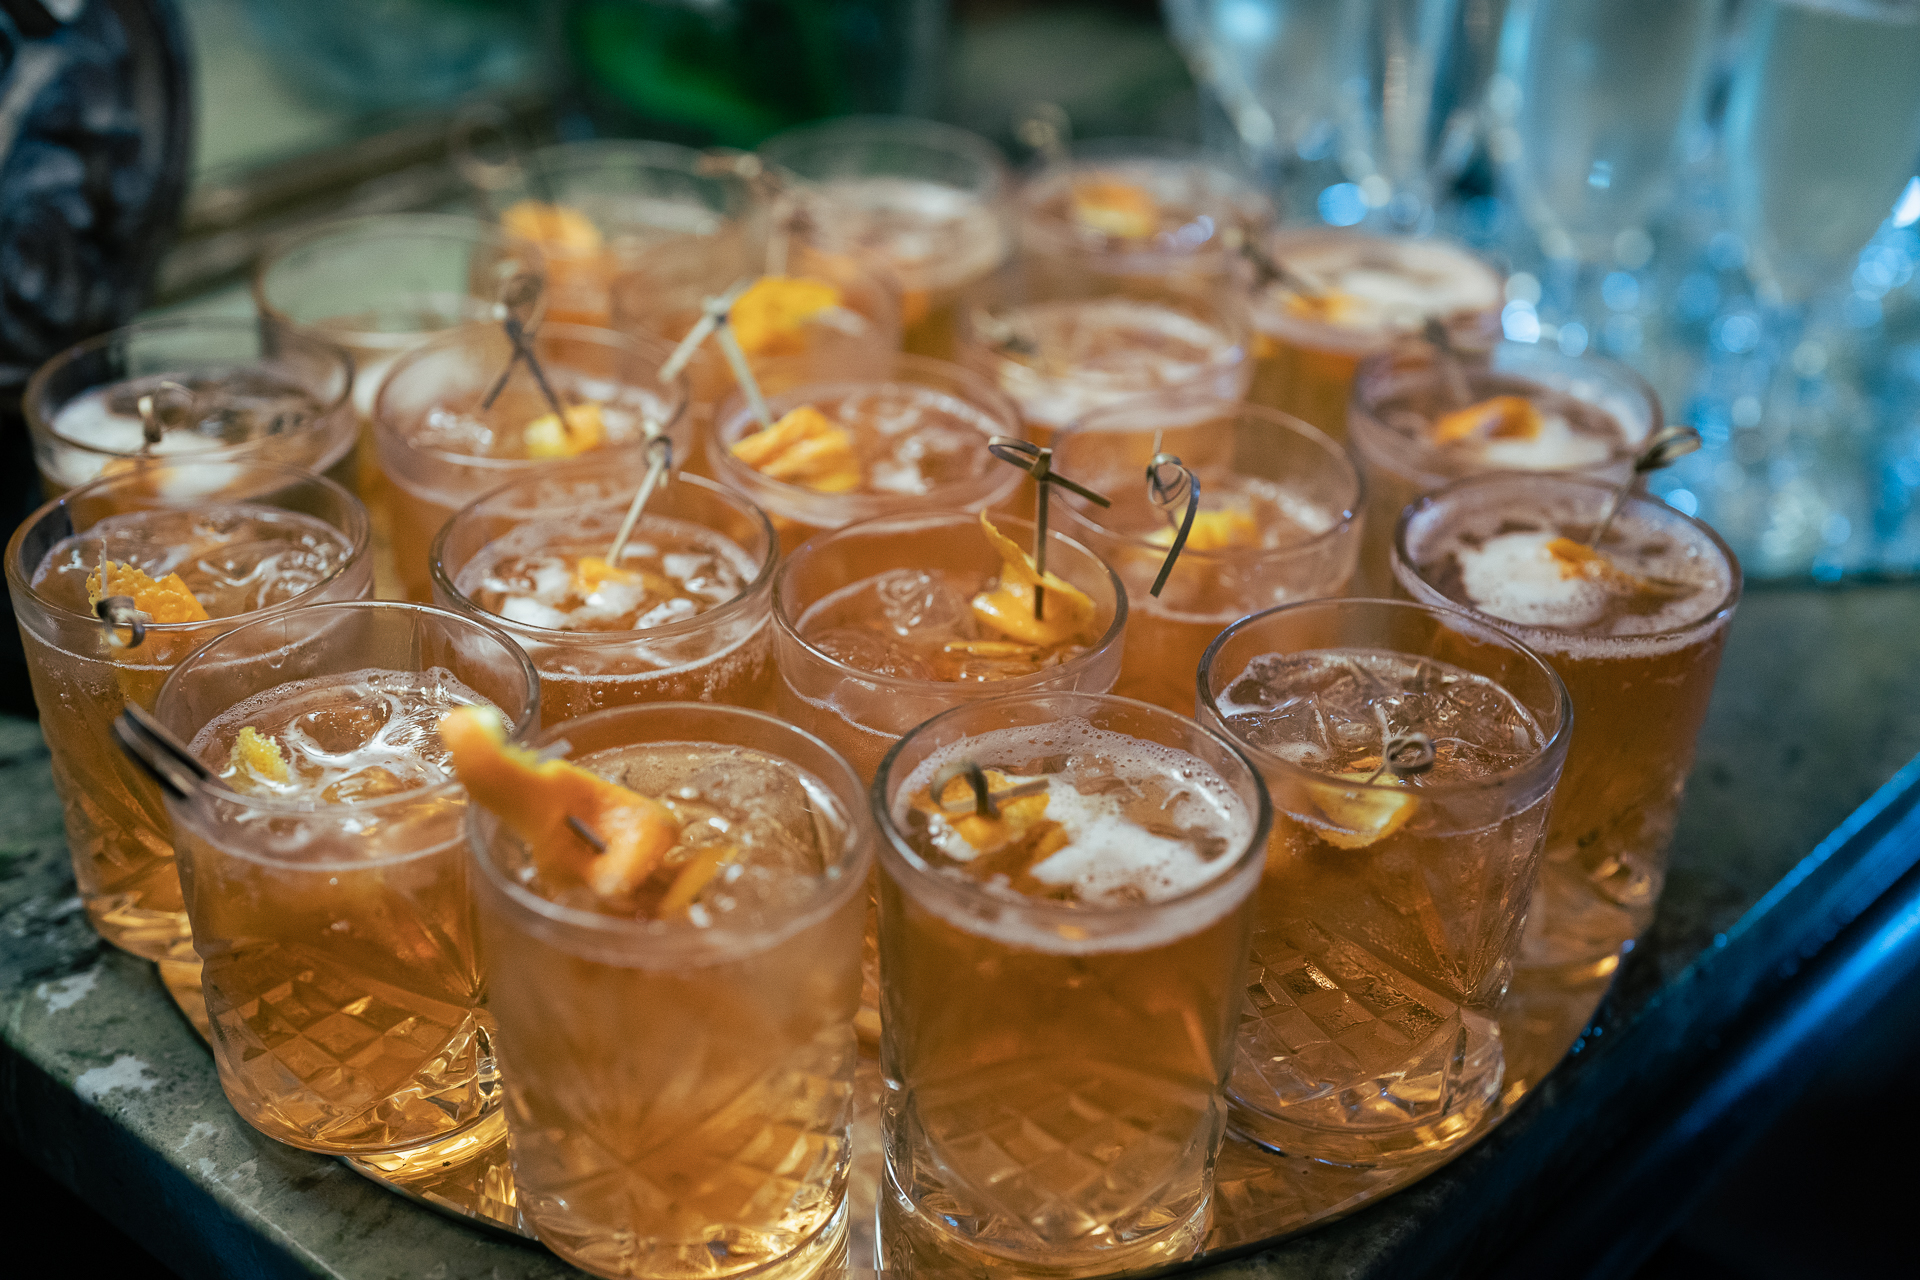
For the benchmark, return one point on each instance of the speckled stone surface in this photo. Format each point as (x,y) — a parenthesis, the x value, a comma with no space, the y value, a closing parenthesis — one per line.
(1818,707)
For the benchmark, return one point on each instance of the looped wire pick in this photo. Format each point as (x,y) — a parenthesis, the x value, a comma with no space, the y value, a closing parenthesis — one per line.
(167,400)
(1037,462)
(1166,493)
(484,141)
(1668,446)
(986,801)
(1406,755)
(116,612)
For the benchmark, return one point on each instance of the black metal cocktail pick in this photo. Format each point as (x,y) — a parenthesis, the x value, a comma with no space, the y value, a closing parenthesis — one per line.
(164,757)
(518,298)
(985,802)
(1037,462)
(1446,362)
(1165,492)
(167,399)
(1669,445)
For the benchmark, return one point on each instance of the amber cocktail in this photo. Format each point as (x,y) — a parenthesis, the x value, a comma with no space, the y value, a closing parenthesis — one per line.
(1066,896)
(1411,754)
(325,870)
(1634,624)
(684,616)
(441,445)
(188,551)
(677,1041)
(1279,521)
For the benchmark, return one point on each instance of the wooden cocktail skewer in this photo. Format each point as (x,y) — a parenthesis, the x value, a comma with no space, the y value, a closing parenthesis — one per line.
(1668,446)
(1038,463)
(713,321)
(659,459)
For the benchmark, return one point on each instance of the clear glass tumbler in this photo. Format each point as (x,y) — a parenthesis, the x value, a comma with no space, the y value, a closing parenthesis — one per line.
(1279,521)
(1636,635)
(215,389)
(679,1089)
(248,539)
(514,558)
(441,444)
(1411,753)
(1064,972)
(326,871)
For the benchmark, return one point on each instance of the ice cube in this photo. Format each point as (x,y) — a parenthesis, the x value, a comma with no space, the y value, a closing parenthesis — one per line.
(915,600)
(870,651)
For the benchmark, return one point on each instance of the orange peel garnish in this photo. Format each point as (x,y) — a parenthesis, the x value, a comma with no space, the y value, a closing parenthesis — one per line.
(806,448)
(1363,815)
(164,600)
(534,798)
(552,226)
(1213,531)
(1008,608)
(1020,838)
(1331,307)
(254,753)
(770,318)
(1499,418)
(1115,208)
(585,430)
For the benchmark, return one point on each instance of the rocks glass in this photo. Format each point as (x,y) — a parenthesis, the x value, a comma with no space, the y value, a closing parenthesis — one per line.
(1279,521)
(1636,636)
(513,558)
(1411,753)
(326,870)
(250,539)
(1063,978)
(215,389)
(679,1089)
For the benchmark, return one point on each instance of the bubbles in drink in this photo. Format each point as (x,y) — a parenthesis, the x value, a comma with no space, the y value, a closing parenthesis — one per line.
(1093,817)
(549,575)
(930,235)
(234,557)
(341,739)
(1331,711)
(1059,360)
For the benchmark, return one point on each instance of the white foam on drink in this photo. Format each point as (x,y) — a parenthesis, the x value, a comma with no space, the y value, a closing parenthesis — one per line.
(1110,859)
(1394,286)
(932,236)
(1557,447)
(1100,352)
(1507,574)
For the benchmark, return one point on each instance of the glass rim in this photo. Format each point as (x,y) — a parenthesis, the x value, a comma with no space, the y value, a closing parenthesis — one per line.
(1015,685)
(359,535)
(559,637)
(1350,514)
(209,789)
(1736,575)
(407,225)
(1456,619)
(982,395)
(936,135)
(646,344)
(35,390)
(856,852)
(1256,847)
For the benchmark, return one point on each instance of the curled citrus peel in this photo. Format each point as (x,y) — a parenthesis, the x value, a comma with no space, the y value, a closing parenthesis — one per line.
(552,226)
(1115,208)
(806,448)
(770,318)
(1363,815)
(535,798)
(254,754)
(161,600)
(1578,560)
(585,429)
(1008,607)
(1498,418)
(1019,839)
(1213,531)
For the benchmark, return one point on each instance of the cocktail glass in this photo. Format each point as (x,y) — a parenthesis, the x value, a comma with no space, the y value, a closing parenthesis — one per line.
(250,539)
(1139,207)
(679,1090)
(440,446)
(927,204)
(512,557)
(1061,348)
(856,338)
(1589,415)
(919,427)
(1637,638)
(1344,296)
(1279,522)
(1063,981)
(217,389)
(331,908)
(602,207)
(1393,899)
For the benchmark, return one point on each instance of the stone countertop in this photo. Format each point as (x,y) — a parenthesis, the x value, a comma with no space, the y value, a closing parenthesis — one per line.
(1818,707)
